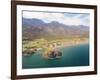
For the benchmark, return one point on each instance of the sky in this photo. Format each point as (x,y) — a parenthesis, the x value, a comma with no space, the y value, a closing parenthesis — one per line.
(65,18)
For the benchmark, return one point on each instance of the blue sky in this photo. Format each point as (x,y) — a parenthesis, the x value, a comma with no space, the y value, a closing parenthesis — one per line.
(65,18)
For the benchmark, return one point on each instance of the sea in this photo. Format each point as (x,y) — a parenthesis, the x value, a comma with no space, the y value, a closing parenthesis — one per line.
(72,56)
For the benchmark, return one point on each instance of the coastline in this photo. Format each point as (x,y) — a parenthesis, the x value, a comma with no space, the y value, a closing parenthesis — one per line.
(69,44)
(65,44)
(46,45)
(67,59)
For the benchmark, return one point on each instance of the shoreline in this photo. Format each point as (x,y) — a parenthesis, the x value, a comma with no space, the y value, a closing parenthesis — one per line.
(53,44)
(69,45)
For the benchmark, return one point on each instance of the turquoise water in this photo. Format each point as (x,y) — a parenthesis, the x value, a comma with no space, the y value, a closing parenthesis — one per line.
(71,56)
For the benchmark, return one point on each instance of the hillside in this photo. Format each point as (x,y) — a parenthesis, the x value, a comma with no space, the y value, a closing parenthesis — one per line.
(36,28)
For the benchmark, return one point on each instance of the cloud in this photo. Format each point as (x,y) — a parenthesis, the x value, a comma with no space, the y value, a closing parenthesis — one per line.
(65,18)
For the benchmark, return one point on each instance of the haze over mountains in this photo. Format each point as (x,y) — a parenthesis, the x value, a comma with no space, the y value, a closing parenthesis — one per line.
(36,28)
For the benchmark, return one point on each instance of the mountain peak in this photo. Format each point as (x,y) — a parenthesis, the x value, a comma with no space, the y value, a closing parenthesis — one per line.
(32,21)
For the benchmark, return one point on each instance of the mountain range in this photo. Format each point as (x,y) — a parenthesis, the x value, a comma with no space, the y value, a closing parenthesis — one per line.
(36,28)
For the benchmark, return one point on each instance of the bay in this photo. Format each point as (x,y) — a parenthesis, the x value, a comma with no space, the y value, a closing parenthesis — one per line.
(77,55)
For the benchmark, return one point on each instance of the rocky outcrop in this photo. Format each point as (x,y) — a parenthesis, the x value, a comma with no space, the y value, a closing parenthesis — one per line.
(29,52)
(53,54)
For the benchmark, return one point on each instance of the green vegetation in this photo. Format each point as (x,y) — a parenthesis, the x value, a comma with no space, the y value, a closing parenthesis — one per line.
(49,45)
